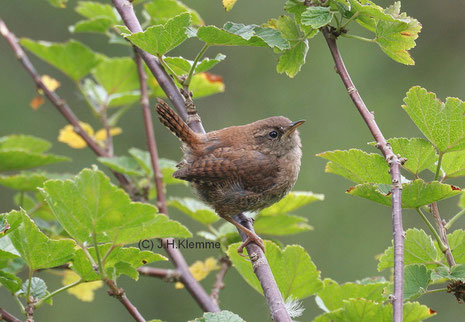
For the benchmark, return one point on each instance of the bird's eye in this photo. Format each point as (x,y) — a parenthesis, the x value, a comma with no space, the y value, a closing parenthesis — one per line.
(273,134)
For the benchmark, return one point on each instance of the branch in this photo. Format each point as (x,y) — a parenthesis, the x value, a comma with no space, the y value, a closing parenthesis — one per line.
(219,283)
(191,284)
(440,224)
(121,296)
(56,100)
(262,269)
(394,169)
(168,275)
(4,315)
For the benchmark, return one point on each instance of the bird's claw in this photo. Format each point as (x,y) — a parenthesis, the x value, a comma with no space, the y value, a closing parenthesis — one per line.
(251,239)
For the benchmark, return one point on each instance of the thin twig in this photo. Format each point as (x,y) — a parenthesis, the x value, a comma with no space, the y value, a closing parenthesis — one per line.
(121,296)
(442,233)
(4,315)
(168,275)
(30,311)
(219,283)
(191,284)
(433,231)
(454,219)
(57,101)
(394,166)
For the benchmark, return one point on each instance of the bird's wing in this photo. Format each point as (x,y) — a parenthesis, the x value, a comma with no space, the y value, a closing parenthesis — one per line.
(228,165)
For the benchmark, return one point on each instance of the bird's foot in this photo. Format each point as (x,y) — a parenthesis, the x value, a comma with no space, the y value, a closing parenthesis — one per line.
(251,239)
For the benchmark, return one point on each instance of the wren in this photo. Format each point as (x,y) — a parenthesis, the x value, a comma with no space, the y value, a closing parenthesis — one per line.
(238,168)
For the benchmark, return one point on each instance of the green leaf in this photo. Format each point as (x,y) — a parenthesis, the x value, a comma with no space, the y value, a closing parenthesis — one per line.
(295,273)
(369,14)
(417,278)
(11,282)
(38,288)
(122,164)
(7,249)
(292,201)
(420,153)
(281,225)
(195,209)
(36,249)
(143,159)
(415,194)
(117,75)
(291,61)
(234,34)
(97,25)
(333,295)
(205,84)
(457,245)
(160,39)
(160,11)
(20,160)
(130,256)
(181,65)
(72,57)
(419,249)
(26,181)
(91,9)
(25,143)
(222,316)
(453,164)
(357,166)
(58,3)
(90,204)
(316,17)
(208,63)
(397,37)
(442,124)
(297,7)
(455,273)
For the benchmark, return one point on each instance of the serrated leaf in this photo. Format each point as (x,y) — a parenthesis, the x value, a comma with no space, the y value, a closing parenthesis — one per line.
(397,37)
(293,269)
(131,256)
(419,249)
(72,57)
(419,152)
(160,39)
(38,287)
(195,209)
(443,124)
(7,249)
(206,84)
(91,9)
(415,194)
(24,142)
(417,278)
(297,8)
(456,272)
(11,282)
(117,75)
(208,63)
(316,17)
(453,164)
(291,61)
(97,25)
(292,201)
(36,249)
(20,160)
(333,295)
(122,164)
(457,245)
(234,34)
(90,205)
(357,166)
(281,225)
(160,11)
(26,181)
(222,316)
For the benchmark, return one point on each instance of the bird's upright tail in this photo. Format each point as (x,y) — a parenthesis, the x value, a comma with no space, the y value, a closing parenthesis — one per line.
(176,125)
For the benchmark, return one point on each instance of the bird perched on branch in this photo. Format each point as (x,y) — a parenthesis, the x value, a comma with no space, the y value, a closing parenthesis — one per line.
(238,168)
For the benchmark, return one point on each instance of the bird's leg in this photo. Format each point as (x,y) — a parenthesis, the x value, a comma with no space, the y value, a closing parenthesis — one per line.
(251,236)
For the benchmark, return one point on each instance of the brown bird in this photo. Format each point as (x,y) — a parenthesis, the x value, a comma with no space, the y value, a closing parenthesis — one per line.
(238,168)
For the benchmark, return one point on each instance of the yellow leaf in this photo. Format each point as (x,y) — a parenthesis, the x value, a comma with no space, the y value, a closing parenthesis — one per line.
(228,4)
(200,270)
(51,83)
(101,134)
(36,102)
(68,136)
(85,291)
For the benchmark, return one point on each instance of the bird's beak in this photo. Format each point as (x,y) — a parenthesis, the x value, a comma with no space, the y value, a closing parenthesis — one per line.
(293,126)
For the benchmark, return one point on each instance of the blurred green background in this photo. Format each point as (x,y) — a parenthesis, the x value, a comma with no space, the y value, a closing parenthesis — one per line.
(349,232)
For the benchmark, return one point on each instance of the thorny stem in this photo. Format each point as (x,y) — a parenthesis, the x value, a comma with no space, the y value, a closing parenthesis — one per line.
(57,101)
(442,233)
(121,296)
(433,231)
(193,286)
(394,169)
